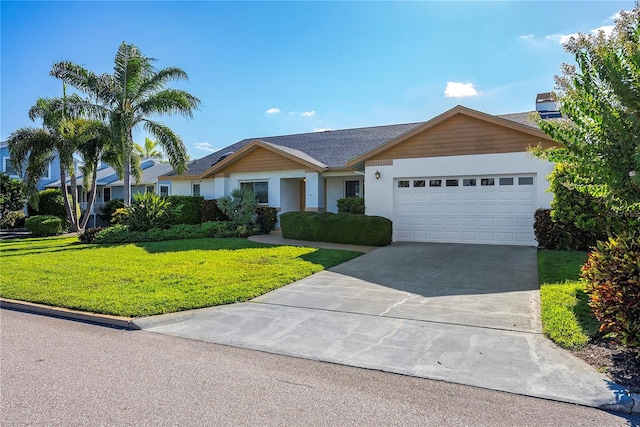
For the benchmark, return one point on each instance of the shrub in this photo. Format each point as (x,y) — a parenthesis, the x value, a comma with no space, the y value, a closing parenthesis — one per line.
(13,219)
(12,196)
(119,216)
(211,229)
(149,211)
(240,206)
(553,234)
(266,219)
(50,202)
(44,225)
(613,284)
(109,208)
(211,212)
(336,228)
(191,211)
(89,234)
(354,205)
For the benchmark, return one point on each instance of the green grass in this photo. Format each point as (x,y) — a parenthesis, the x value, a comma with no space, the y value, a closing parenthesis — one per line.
(152,278)
(566,316)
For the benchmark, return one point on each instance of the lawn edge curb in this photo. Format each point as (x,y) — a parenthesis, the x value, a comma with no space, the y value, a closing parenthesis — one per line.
(65,313)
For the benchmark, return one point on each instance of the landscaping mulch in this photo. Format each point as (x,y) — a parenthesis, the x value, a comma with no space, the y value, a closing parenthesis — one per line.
(621,364)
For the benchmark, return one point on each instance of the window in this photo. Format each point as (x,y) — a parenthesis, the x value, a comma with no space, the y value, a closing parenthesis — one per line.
(8,168)
(487,181)
(106,194)
(47,172)
(164,190)
(403,184)
(195,189)
(435,183)
(525,180)
(150,189)
(419,183)
(259,188)
(451,182)
(352,189)
(506,181)
(469,182)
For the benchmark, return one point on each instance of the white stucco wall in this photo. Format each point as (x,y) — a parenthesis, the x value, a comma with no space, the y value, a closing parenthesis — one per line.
(379,193)
(336,188)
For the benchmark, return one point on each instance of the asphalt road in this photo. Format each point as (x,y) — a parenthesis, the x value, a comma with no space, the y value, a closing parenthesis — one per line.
(60,372)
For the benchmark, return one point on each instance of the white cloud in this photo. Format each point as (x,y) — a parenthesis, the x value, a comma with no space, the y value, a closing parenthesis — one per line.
(272,111)
(308,114)
(527,37)
(292,113)
(460,90)
(204,146)
(322,129)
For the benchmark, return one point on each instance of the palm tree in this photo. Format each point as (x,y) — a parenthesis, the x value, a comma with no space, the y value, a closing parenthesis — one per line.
(33,149)
(129,97)
(149,151)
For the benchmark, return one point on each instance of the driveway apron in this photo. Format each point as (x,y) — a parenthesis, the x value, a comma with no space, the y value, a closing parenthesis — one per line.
(466,314)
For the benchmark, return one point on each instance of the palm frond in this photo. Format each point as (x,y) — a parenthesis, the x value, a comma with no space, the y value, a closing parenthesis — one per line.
(170,142)
(170,101)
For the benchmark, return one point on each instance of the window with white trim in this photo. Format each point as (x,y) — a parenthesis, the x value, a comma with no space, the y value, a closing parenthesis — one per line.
(106,194)
(8,168)
(150,189)
(164,190)
(259,188)
(195,189)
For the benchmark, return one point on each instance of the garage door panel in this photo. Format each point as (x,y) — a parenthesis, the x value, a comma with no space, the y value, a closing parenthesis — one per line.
(490,214)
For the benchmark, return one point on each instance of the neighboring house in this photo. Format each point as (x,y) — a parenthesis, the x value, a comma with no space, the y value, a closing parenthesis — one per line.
(52,173)
(461,177)
(109,186)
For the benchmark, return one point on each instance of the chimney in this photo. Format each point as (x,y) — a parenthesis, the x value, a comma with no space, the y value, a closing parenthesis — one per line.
(546,106)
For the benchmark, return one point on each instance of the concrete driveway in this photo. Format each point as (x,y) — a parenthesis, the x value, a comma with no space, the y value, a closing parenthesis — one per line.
(466,314)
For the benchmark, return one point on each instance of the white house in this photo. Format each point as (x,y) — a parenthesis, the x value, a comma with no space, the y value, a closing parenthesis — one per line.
(463,176)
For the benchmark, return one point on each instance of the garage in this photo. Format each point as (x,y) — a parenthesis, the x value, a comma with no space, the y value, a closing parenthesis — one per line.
(486,209)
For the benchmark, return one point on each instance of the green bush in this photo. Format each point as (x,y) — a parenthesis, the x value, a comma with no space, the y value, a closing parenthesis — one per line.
(122,233)
(89,234)
(353,205)
(50,202)
(44,225)
(613,284)
(211,212)
(12,196)
(109,208)
(552,234)
(266,219)
(191,211)
(240,206)
(149,211)
(12,219)
(336,228)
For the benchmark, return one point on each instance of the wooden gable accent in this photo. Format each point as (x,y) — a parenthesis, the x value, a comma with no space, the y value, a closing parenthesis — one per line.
(462,134)
(260,160)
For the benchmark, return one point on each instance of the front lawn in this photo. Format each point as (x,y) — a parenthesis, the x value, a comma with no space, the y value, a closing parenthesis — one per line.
(566,316)
(144,279)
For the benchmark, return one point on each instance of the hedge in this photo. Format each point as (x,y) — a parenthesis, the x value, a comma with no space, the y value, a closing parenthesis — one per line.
(336,228)
(44,225)
(266,219)
(211,212)
(122,234)
(191,212)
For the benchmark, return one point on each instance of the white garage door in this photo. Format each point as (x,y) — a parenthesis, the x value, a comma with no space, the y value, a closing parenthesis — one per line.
(469,209)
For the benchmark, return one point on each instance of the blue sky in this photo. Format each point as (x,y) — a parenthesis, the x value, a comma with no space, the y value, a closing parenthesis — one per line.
(275,68)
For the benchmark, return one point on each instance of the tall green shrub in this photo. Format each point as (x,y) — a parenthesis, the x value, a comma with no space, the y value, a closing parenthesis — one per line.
(109,208)
(211,211)
(51,202)
(266,219)
(191,211)
(12,196)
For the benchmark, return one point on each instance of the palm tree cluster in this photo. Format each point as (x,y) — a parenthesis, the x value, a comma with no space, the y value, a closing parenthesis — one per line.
(99,125)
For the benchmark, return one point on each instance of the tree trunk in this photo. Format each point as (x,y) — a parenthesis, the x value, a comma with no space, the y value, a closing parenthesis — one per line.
(91,197)
(127,179)
(65,195)
(74,203)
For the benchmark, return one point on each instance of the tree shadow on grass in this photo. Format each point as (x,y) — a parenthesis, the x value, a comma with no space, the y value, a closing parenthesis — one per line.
(584,317)
(205,244)
(33,250)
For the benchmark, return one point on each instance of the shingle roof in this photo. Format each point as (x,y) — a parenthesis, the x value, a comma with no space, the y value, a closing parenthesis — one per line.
(108,175)
(331,148)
